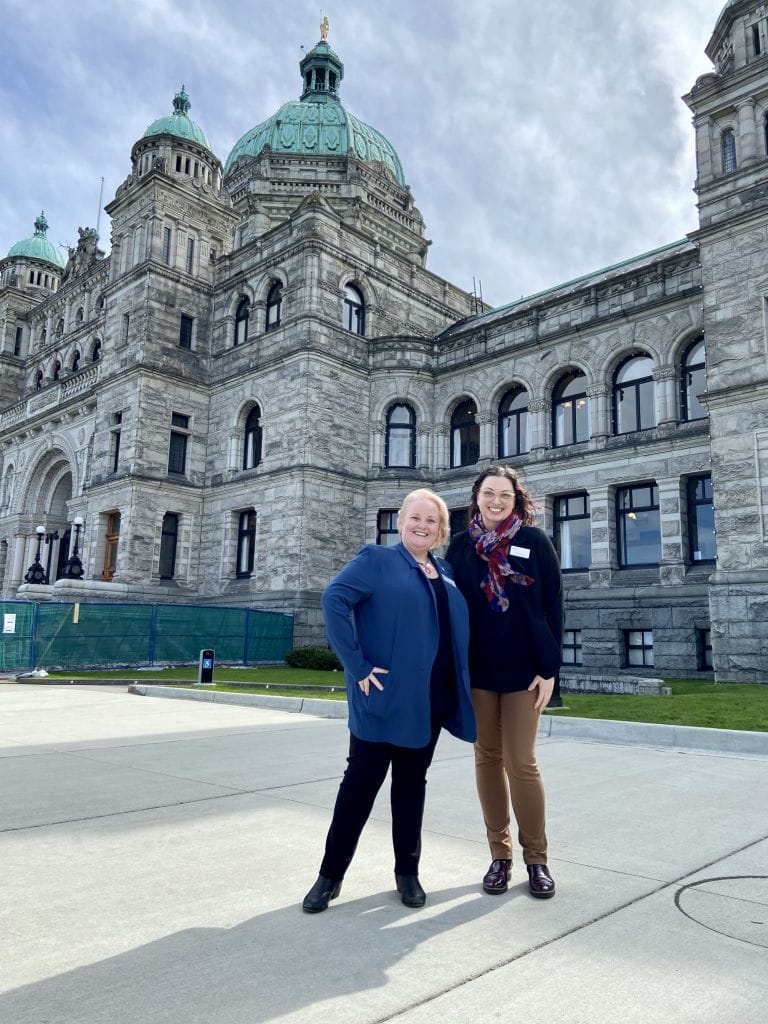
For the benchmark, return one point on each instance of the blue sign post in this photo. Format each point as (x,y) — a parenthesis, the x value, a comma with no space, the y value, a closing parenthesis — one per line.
(205,667)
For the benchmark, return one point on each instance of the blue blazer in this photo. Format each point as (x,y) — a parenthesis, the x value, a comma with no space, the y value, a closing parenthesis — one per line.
(381,611)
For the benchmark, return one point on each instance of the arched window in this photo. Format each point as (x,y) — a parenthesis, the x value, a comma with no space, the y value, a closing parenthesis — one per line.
(465,434)
(60,325)
(75,361)
(634,403)
(400,440)
(728,150)
(96,351)
(57,371)
(693,381)
(513,423)
(241,321)
(570,410)
(354,310)
(168,543)
(39,380)
(274,304)
(79,315)
(252,439)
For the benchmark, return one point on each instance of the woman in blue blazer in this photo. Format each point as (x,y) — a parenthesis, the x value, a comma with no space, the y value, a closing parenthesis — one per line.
(399,625)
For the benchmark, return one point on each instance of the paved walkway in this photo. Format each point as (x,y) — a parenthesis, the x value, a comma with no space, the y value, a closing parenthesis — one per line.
(154,854)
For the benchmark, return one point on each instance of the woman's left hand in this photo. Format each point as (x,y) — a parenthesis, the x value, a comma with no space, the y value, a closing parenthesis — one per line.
(545,686)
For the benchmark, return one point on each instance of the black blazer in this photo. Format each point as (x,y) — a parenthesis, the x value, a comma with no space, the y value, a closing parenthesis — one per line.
(507,649)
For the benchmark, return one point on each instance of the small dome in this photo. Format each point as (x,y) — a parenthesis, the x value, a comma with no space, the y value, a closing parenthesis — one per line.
(318,123)
(38,247)
(179,123)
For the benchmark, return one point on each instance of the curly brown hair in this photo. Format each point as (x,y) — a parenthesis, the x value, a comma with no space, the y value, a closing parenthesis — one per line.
(524,503)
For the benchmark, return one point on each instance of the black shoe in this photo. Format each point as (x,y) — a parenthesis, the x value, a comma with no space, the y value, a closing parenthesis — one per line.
(495,880)
(540,882)
(322,892)
(411,893)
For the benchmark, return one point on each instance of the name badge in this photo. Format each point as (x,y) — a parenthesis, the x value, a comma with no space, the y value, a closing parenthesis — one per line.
(519,552)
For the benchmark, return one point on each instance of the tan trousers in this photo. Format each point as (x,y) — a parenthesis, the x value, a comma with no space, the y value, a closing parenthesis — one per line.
(506,768)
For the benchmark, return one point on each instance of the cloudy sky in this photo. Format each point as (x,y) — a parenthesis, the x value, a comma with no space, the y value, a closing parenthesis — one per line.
(542,139)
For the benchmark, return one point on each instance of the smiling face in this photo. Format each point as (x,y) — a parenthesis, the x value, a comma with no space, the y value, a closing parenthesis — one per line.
(496,499)
(420,526)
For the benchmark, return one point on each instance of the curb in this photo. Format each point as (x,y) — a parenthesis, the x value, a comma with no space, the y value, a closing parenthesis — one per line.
(596,730)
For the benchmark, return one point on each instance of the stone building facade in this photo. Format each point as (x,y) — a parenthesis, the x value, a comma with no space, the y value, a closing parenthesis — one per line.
(225,408)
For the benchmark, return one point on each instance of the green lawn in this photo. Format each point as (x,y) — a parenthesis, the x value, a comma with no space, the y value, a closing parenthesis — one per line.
(693,702)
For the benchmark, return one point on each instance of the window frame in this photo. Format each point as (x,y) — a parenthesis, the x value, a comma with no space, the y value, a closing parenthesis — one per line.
(242,317)
(559,519)
(631,512)
(178,444)
(522,422)
(253,437)
(354,314)
(728,156)
(168,547)
(693,503)
(645,647)
(704,656)
(560,400)
(687,369)
(186,331)
(637,387)
(405,435)
(246,543)
(576,646)
(274,307)
(387,534)
(467,432)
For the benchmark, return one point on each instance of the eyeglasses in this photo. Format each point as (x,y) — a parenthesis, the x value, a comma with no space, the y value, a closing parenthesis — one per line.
(502,496)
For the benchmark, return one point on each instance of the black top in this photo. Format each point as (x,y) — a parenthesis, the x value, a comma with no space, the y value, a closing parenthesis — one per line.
(507,649)
(442,683)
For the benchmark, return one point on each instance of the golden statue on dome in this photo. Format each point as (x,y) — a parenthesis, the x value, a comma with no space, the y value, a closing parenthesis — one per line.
(324,26)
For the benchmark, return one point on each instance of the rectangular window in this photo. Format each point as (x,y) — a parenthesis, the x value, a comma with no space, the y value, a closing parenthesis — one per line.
(126,324)
(17,342)
(704,648)
(168,543)
(638,648)
(185,331)
(167,246)
(457,520)
(190,255)
(572,647)
(756,39)
(701,519)
(386,533)
(246,542)
(573,532)
(638,525)
(177,449)
(111,542)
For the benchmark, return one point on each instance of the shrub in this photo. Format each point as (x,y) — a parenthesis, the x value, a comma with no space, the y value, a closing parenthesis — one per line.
(321,658)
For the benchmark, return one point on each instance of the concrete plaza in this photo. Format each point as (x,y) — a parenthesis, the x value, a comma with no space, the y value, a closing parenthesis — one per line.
(154,854)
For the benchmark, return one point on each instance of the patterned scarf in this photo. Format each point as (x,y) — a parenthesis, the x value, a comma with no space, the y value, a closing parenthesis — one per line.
(490,546)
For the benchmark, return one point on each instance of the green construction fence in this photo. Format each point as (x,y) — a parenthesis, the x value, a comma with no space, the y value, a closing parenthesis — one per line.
(100,635)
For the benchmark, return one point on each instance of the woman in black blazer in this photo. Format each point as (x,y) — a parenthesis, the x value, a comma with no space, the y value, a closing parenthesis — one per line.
(509,574)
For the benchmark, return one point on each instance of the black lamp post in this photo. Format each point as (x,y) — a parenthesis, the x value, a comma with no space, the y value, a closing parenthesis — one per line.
(49,539)
(36,573)
(74,567)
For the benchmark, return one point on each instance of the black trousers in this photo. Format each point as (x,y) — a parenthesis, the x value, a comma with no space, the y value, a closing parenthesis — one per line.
(367,766)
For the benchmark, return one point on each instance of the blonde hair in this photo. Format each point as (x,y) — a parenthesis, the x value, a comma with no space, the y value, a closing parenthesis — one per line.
(424,494)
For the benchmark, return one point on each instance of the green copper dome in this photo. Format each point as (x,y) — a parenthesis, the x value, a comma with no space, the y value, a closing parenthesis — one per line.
(38,247)
(179,123)
(318,123)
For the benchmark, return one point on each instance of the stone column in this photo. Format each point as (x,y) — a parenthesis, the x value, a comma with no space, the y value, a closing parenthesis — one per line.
(424,454)
(599,410)
(672,569)
(664,378)
(442,439)
(603,519)
(486,422)
(539,412)
(747,153)
(705,157)
(19,568)
(377,446)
